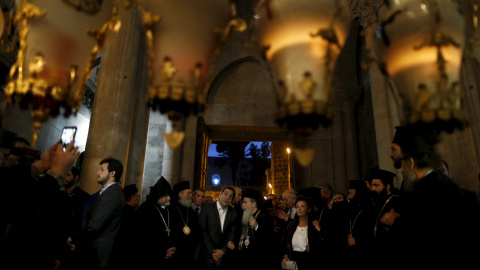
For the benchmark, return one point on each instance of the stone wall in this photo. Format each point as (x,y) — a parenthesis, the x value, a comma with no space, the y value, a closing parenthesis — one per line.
(280,167)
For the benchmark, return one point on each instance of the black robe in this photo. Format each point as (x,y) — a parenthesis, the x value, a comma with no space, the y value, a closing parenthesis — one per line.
(153,239)
(434,218)
(186,255)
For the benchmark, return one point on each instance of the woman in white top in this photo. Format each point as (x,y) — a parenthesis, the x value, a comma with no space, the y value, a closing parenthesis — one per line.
(303,237)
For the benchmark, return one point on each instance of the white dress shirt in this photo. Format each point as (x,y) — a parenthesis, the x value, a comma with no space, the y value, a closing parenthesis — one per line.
(222,213)
(105,187)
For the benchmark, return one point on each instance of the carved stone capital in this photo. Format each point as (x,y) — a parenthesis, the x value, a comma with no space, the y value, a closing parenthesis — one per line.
(365,11)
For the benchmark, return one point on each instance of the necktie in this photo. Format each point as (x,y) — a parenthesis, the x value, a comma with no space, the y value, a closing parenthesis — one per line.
(197,210)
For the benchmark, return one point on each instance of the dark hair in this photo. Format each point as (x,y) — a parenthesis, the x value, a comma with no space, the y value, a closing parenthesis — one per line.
(230,188)
(198,189)
(75,171)
(114,166)
(304,199)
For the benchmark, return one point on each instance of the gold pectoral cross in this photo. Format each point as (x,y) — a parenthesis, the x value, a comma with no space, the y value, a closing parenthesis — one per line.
(168,231)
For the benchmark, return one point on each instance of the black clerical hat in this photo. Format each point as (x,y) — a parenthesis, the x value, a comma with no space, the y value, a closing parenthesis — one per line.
(403,137)
(418,147)
(356,184)
(386,176)
(130,190)
(179,187)
(255,194)
(161,188)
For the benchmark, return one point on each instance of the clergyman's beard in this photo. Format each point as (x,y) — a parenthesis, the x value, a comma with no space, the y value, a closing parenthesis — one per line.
(247,213)
(380,197)
(186,202)
(409,180)
(167,203)
(397,163)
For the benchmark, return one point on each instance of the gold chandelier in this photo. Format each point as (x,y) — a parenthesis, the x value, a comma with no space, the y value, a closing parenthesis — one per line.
(181,40)
(59,42)
(420,46)
(303,40)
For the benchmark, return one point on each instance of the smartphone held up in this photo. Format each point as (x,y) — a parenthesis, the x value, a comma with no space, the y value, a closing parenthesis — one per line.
(68,135)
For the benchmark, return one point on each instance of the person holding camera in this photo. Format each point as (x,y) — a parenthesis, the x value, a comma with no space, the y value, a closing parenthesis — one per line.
(37,216)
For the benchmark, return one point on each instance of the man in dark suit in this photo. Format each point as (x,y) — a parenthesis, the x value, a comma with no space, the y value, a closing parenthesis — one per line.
(102,221)
(217,223)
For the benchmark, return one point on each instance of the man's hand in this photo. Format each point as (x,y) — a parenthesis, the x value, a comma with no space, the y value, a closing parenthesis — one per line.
(231,245)
(252,222)
(281,214)
(285,260)
(63,160)
(170,253)
(351,240)
(70,243)
(389,217)
(316,224)
(217,254)
(45,163)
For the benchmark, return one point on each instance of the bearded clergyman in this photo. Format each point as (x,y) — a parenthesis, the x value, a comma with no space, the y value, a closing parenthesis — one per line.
(256,236)
(184,222)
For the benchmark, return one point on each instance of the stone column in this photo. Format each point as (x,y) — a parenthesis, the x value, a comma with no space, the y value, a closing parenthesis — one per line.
(351,96)
(140,123)
(385,111)
(338,147)
(112,113)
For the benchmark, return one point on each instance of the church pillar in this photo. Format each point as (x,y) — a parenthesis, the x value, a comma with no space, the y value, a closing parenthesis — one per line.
(351,96)
(338,147)
(385,110)
(140,122)
(112,113)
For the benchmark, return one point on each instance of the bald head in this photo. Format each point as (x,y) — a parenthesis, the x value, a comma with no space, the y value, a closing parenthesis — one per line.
(290,196)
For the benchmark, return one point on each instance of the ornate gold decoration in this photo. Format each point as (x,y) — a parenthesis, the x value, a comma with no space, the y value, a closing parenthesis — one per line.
(305,99)
(304,156)
(424,77)
(174,139)
(446,92)
(236,24)
(87,6)
(46,97)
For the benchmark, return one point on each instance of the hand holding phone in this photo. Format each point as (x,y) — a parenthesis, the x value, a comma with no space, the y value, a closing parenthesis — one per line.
(68,135)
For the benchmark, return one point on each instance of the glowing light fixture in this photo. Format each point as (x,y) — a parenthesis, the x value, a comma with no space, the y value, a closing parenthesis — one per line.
(58,44)
(420,46)
(181,40)
(303,39)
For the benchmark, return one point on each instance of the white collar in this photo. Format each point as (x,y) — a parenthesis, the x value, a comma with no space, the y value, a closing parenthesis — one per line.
(105,187)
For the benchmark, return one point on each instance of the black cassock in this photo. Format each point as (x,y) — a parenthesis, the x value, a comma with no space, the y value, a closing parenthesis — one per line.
(187,233)
(154,238)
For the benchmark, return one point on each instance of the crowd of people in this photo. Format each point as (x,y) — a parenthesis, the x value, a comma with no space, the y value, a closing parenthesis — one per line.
(49,222)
